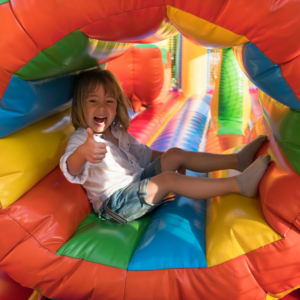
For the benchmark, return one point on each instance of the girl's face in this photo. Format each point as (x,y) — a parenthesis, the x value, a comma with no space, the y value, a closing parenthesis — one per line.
(101,110)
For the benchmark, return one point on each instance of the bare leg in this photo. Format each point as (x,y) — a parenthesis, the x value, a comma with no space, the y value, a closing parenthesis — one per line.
(190,187)
(245,183)
(246,155)
(208,162)
(197,161)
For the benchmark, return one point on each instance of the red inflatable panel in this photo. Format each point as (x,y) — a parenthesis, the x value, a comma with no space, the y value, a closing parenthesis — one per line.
(150,120)
(59,19)
(62,276)
(198,283)
(141,72)
(51,221)
(16,47)
(278,189)
(11,290)
(291,73)
(264,28)
(271,27)
(148,74)
(295,295)
(277,266)
(122,67)
(12,235)
(113,29)
(167,81)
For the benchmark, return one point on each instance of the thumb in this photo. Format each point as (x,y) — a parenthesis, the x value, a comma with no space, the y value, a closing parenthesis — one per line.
(90,133)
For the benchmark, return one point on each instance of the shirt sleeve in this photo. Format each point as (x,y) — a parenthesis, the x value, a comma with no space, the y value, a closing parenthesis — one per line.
(141,152)
(76,139)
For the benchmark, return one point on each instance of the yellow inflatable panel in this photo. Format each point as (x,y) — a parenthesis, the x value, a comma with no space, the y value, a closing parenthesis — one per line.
(194,68)
(214,104)
(281,295)
(235,225)
(247,104)
(207,34)
(238,53)
(30,154)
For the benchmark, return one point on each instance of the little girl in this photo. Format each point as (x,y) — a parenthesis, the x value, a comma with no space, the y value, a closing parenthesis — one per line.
(106,160)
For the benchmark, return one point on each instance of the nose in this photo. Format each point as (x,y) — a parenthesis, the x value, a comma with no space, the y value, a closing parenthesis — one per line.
(101,106)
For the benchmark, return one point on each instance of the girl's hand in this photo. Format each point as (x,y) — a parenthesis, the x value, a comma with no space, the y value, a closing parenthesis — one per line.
(93,151)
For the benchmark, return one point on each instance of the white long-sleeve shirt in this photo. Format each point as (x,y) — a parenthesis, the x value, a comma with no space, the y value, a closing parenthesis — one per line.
(120,167)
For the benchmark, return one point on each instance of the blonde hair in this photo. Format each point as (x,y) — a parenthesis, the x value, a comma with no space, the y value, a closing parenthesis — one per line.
(87,82)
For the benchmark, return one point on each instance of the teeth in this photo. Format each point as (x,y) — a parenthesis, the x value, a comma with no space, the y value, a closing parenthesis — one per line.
(100,120)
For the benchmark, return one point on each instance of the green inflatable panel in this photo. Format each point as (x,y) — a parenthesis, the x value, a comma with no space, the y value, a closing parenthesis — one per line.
(105,242)
(73,53)
(175,54)
(3,1)
(164,55)
(285,124)
(231,94)
(146,46)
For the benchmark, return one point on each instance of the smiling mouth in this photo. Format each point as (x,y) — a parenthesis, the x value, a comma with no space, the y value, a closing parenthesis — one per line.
(100,121)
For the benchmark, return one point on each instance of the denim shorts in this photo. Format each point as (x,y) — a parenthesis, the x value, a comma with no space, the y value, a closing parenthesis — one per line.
(130,203)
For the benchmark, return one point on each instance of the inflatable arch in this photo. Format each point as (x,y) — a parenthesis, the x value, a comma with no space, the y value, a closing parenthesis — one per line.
(49,237)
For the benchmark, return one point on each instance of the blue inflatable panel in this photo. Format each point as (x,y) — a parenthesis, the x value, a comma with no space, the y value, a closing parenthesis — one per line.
(26,102)
(268,76)
(185,129)
(175,237)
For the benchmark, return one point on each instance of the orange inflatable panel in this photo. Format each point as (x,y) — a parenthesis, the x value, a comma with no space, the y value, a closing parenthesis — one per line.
(276,266)
(11,290)
(219,281)
(141,72)
(113,29)
(279,188)
(220,143)
(51,221)
(62,276)
(16,47)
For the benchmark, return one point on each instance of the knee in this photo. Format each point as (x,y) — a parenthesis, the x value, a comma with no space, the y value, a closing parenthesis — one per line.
(168,178)
(174,153)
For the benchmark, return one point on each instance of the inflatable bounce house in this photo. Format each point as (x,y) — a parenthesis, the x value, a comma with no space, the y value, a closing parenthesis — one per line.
(51,243)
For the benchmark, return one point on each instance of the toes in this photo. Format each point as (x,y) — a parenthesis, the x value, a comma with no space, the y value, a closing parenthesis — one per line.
(264,138)
(266,158)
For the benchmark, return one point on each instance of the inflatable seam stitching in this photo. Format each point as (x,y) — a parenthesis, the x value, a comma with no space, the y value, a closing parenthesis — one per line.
(281,218)
(296,220)
(201,18)
(29,233)
(22,26)
(124,12)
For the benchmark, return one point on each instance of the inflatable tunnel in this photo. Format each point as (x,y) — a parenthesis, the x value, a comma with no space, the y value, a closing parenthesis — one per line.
(229,247)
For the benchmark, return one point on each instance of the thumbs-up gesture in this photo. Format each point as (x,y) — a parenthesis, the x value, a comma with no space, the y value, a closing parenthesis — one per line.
(93,151)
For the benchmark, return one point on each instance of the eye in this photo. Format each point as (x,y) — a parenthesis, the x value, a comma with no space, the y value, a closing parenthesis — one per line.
(110,100)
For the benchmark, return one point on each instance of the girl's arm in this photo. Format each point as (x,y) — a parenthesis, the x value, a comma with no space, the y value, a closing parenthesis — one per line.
(91,151)
(76,162)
